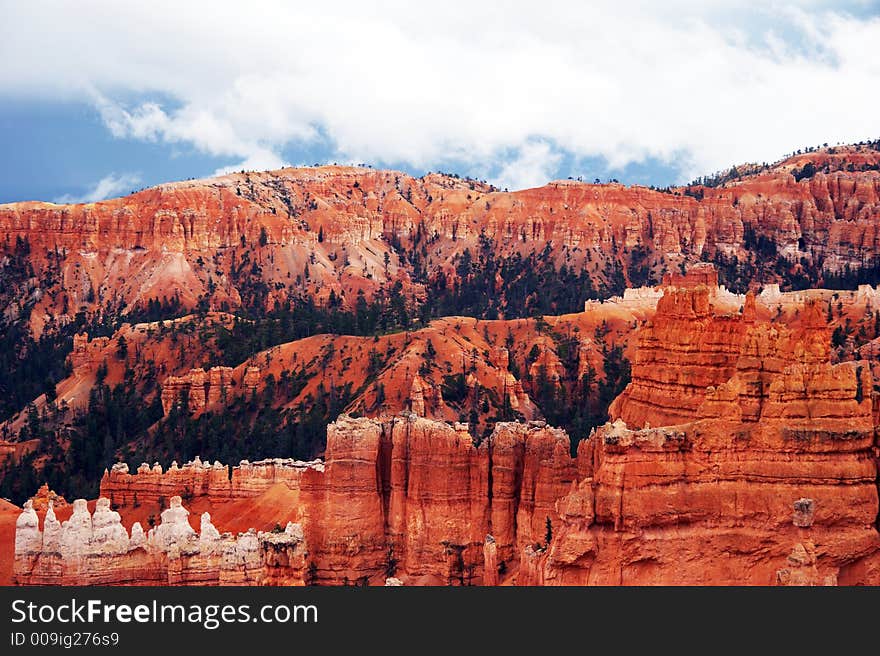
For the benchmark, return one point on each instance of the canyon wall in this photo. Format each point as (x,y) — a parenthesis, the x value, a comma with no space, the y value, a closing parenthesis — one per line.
(403,496)
(829,211)
(725,502)
(317,230)
(697,341)
(739,454)
(198,388)
(201,479)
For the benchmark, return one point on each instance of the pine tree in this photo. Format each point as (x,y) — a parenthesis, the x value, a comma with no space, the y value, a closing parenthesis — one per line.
(122,348)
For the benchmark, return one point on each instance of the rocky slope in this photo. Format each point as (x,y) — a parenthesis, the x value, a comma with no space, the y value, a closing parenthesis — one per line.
(315,230)
(454,369)
(741,453)
(205,317)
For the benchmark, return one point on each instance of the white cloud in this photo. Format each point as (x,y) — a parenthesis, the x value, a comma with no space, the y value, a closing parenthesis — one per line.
(532,166)
(494,87)
(109,185)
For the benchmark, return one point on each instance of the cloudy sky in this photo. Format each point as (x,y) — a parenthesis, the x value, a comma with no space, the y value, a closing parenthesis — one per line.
(98,98)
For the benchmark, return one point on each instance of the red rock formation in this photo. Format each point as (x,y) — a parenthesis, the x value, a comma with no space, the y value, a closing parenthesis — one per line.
(768,478)
(197,479)
(186,237)
(531,468)
(717,503)
(199,388)
(547,363)
(84,349)
(343,510)
(46,497)
(417,396)
(759,467)
(405,496)
(700,275)
(682,351)
(251,380)
(490,562)
(438,500)
(690,347)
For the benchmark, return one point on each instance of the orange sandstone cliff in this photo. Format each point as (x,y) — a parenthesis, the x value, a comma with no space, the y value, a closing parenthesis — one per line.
(405,496)
(739,454)
(314,231)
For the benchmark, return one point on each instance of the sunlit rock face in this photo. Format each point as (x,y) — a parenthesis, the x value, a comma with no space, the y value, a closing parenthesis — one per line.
(739,455)
(185,238)
(407,494)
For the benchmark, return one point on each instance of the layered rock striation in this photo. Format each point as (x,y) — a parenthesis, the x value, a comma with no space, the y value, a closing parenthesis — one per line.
(697,342)
(198,389)
(96,549)
(403,496)
(317,230)
(214,481)
(739,454)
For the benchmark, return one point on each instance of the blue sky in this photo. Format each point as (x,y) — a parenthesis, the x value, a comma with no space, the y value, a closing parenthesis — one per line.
(100,98)
(60,151)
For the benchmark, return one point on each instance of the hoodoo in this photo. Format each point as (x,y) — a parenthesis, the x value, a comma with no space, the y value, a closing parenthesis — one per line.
(572,384)
(739,454)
